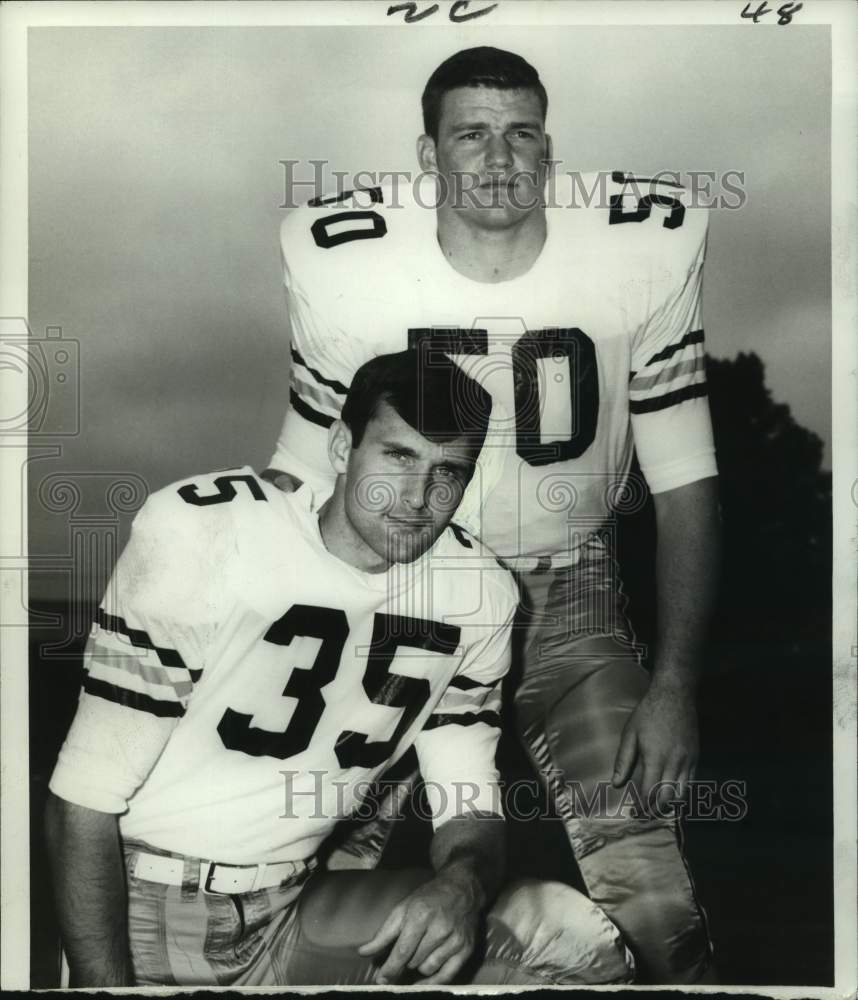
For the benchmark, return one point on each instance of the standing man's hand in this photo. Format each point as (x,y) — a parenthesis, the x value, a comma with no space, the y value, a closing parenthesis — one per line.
(432,931)
(660,743)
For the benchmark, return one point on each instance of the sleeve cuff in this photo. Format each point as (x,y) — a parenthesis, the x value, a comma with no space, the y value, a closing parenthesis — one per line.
(672,475)
(449,800)
(66,784)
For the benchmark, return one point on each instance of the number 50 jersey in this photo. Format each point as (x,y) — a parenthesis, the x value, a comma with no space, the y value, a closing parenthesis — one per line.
(244,686)
(597,347)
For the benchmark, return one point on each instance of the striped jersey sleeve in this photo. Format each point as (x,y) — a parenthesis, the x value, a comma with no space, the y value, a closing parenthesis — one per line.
(145,654)
(668,402)
(458,744)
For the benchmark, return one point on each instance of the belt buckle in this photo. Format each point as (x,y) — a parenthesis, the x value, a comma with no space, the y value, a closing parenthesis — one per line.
(207,887)
(293,878)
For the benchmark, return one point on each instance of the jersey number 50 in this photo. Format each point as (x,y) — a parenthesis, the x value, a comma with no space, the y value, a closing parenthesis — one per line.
(567,344)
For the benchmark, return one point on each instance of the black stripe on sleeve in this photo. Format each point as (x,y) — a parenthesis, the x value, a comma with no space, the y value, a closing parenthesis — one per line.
(132,699)
(468,684)
(331,383)
(140,639)
(465,719)
(693,337)
(669,399)
(308,412)
(461,537)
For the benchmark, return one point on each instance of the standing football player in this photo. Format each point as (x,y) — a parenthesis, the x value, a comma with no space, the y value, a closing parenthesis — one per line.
(580,314)
(219,784)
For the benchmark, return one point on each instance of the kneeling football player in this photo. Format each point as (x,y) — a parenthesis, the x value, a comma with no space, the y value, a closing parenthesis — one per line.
(258,659)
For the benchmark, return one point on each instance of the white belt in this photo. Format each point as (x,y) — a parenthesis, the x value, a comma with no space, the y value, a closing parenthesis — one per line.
(230,879)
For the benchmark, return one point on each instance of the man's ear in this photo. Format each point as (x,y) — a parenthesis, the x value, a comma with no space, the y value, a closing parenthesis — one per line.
(426,154)
(339,446)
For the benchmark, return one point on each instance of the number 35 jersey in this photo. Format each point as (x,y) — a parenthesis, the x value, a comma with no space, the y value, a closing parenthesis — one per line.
(597,348)
(244,686)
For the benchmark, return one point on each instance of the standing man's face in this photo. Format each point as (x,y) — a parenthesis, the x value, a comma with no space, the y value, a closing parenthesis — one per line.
(490,153)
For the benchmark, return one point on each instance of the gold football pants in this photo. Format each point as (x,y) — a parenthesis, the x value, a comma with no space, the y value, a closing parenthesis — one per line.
(581,679)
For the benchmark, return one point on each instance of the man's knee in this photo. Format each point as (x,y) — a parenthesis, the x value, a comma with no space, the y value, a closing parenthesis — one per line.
(553,934)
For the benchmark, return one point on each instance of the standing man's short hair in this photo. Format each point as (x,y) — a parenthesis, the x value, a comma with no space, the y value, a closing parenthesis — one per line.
(483,66)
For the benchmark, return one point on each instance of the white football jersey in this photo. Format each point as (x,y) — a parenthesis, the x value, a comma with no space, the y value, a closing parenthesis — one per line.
(244,686)
(597,347)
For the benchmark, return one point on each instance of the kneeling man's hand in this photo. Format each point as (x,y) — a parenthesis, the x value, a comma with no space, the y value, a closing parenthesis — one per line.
(433,931)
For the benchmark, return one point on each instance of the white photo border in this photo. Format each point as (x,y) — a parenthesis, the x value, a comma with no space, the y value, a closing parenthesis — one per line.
(17,17)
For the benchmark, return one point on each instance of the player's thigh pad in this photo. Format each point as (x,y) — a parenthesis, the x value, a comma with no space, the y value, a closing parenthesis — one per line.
(337,913)
(581,681)
(571,717)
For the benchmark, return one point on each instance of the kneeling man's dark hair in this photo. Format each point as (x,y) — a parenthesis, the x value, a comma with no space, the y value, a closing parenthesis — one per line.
(429,391)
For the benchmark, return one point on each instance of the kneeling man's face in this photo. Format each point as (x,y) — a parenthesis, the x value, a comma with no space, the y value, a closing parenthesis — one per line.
(401,489)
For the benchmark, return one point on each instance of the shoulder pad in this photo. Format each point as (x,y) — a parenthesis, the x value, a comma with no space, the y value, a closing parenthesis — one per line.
(630,209)
(339,227)
(212,496)
(238,485)
(654,206)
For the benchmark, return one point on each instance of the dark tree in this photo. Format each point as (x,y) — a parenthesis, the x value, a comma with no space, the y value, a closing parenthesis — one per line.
(776,503)
(776,509)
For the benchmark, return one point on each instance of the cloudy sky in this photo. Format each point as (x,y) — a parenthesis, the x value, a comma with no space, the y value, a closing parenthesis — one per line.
(156,195)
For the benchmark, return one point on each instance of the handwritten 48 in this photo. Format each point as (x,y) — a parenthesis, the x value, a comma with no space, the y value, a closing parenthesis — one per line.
(785,11)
